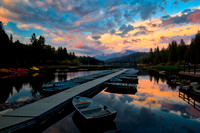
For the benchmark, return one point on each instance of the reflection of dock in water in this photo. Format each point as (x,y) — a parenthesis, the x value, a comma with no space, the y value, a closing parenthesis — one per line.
(190,98)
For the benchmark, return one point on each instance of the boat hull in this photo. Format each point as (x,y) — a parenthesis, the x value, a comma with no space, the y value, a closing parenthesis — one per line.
(92,111)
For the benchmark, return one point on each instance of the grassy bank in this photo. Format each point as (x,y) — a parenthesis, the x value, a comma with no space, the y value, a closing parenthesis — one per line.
(168,69)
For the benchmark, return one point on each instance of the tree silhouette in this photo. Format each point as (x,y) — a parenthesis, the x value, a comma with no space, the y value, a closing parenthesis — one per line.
(175,54)
(36,53)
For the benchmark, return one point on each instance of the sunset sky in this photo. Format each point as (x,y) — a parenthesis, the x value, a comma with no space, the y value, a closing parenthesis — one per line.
(94,27)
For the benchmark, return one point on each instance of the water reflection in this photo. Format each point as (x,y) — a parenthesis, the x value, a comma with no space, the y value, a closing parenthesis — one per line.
(85,127)
(156,107)
(21,88)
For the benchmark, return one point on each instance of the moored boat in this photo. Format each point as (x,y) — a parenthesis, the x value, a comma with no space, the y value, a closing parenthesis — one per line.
(121,88)
(121,85)
(49,89)
(129,79)
(115,79)
(92,111)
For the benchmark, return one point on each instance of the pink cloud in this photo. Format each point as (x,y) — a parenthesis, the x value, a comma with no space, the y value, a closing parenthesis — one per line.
(80,46)
(194,17)
(78,23)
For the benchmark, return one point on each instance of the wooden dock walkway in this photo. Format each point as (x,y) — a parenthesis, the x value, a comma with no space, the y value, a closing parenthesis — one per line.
(43,109)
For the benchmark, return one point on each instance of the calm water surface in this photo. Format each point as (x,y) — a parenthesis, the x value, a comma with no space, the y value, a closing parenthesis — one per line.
(155,107)
(21,88)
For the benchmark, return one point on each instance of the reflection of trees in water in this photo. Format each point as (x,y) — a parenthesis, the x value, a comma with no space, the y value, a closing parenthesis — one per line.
(6,89)
(62,76)
(18,82)
(172,86)
(153,75)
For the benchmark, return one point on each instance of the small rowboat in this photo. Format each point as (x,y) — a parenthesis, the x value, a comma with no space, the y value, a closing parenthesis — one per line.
(52,88)
(92,111)
(122,88)
(121,85)
(125,79)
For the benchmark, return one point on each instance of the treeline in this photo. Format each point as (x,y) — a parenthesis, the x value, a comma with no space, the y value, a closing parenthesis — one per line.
(37,53)
(126,61)
(175,53)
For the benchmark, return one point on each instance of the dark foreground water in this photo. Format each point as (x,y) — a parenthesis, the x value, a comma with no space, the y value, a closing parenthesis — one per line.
(155,108)
(22,88)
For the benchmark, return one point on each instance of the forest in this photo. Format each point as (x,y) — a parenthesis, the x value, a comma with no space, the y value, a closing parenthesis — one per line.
(17,54)
(175,54)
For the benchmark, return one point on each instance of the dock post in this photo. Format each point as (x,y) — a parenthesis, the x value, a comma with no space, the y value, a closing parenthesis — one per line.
(189,68)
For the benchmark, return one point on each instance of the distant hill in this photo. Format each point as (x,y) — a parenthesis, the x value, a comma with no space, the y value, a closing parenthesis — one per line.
(114,55)
(126,61)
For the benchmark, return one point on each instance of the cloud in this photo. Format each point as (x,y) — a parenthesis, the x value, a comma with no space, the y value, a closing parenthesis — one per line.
(64,5)
(125,41)
(96,37)
(194,17)
(98,42)
(88,50)
(150,7)
(125,29)
(166,39)
(136,40)
(80,46)
(191,17)
(112,31)
(142,27)
(163,18)
(185,1)
(186,11)
(9,31)
(143,32)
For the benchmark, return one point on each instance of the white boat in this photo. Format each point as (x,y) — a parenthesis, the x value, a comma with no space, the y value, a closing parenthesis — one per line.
(93,111)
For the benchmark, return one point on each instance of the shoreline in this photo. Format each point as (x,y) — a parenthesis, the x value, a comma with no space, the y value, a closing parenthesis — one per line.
(15,105)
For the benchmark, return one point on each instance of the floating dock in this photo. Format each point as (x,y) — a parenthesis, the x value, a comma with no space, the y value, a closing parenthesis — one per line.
(43,109)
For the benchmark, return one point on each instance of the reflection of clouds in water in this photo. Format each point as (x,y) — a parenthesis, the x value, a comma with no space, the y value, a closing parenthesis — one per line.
(154,108)
(146,117)
(126,98)
(21,95)
(23,99)
(63,126)
(26,87)
(148,102)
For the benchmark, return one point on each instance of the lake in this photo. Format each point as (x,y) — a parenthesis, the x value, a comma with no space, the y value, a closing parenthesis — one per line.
(155,107)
